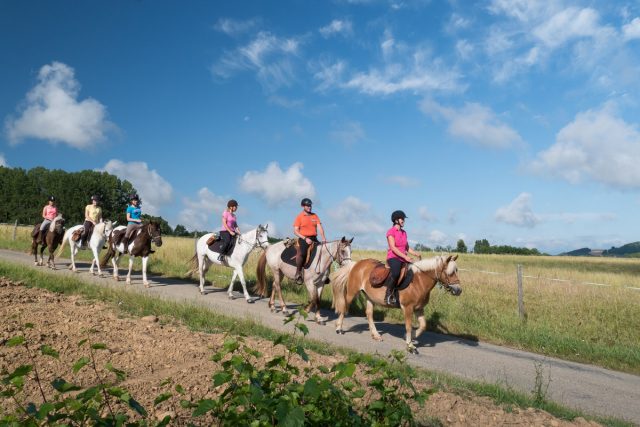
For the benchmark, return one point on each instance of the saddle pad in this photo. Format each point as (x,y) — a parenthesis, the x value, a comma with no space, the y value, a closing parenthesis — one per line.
(217,245)
(211,240)
(76,235)
(288,256)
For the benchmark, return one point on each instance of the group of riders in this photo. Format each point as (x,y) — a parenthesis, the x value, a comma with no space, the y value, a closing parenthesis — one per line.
(306,227)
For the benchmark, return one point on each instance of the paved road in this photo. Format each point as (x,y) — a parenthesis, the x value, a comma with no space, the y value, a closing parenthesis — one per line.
(591,389)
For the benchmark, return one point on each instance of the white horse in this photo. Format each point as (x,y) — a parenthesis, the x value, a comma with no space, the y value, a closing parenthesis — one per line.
(101,233)
(316,275)
(245,243)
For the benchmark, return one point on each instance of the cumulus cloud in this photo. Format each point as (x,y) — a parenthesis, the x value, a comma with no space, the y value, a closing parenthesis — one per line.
(402,181)
(631,30)
(3,161)
(474,123)
(597,146)
(568,24)
(154,190)
(337,26)
(354,217)
(199,213)
(518,212)
(269,56)
(348,134)
(275,185)
(52,112)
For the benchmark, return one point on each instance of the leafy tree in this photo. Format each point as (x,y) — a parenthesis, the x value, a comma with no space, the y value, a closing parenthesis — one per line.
(461,247)
(422,248)
(481,246)
(181,231)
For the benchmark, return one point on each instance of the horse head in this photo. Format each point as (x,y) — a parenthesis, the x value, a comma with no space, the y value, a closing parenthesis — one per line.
(448,275)
(57,225)
(344,251)
(155,233)
(262,236)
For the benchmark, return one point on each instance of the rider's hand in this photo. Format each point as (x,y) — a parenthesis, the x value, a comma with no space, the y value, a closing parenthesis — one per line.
(308,240)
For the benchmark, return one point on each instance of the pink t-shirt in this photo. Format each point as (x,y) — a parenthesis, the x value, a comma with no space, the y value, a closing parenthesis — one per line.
(230,219)
(400,237)
(50,212)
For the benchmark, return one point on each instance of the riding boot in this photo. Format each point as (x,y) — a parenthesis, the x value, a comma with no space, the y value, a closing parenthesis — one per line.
(389,296)
(221,257)
(299,279)
(43,235)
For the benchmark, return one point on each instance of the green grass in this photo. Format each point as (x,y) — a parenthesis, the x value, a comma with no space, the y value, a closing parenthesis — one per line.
(569,320)
(203,320)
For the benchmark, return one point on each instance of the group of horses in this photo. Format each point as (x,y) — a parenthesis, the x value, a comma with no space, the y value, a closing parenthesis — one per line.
(350,279)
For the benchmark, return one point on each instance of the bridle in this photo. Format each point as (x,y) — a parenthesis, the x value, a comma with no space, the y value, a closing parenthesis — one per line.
(446,284)
(154,239)
(337,257)
(257,243)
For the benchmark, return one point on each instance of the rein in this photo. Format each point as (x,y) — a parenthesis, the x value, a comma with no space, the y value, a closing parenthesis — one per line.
(333,257)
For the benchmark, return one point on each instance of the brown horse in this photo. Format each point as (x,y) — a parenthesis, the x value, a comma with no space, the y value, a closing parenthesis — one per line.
(52,239)
(139,245)
(349,280)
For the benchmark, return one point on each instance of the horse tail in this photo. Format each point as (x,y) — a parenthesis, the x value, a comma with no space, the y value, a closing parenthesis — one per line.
(193,265)
(261,282)
(64,242)
(340,284)
(107,256)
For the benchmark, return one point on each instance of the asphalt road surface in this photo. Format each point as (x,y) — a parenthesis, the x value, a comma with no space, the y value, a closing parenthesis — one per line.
(591,389)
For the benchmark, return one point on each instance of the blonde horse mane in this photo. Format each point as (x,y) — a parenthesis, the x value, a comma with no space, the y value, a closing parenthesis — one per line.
(52,226)
(433,263)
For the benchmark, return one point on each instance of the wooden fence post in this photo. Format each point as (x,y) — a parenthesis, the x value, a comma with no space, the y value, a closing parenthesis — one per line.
(521,311)
(15,229)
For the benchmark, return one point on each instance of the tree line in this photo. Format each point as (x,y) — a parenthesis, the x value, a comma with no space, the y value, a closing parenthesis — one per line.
(481,247)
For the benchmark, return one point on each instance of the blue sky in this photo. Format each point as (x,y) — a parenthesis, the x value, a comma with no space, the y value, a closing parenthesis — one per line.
(510,120)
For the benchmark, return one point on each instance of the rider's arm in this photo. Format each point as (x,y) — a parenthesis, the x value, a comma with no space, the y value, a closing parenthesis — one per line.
(392,245)
(415,253)
(324,239)
(43,212)
(296,231)
(224,224)
(86,214)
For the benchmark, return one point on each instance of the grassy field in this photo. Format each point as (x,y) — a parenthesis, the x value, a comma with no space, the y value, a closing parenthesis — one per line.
(568,314)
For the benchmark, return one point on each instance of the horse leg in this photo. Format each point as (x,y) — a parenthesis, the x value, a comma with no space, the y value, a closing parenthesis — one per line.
(96,260)
(202,271)
(372,327)
(422,323)
(34,251)
(247,297)
(233,279)
(128,279)
(51,261)
(42,248)
(114,262)
(145,260)
(277,280)
(320,320)
(408,315)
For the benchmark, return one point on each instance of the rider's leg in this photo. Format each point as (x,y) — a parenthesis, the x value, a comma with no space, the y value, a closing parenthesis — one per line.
(44,227)
(301,250)
(395,265)
(86,230)
(226,240)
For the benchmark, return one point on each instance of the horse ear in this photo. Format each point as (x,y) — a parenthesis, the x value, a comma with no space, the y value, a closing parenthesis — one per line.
(266,226)
(448,259)
(351,240)
(455,257)
(343,239)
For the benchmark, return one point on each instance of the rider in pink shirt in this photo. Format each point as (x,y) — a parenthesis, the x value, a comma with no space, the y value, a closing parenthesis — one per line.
(49,212)
(399,253)
(229,229)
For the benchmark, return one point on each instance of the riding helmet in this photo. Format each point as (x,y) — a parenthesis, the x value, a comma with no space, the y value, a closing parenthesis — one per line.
(306,202)
(134,196)
(95,197)
(396,215)
(231,203)
(52,199)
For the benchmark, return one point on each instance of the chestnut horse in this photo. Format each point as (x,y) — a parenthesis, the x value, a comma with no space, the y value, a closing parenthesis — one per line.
(349,280)
(52,239)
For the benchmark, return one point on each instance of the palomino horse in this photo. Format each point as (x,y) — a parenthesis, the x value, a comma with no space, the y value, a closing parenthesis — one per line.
(139,245)
(315,275)
(245,243)
(101,233)
(349,280)
(52,239)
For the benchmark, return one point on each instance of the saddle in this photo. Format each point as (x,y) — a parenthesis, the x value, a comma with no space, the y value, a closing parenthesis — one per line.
(76,234)
(288,256)
(214,238)
(216,246)
(380,272)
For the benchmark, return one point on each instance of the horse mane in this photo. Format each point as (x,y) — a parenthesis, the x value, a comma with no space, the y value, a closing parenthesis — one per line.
(431,264)
(52,226)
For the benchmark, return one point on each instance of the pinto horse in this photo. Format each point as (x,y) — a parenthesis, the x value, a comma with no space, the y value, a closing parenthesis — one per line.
(101,233)
(139,245)
(315,275)
(246,242)
(349,280)
(52,239)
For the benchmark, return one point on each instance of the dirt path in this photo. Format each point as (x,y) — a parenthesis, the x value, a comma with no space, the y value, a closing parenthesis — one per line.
(150,352)
(591,389)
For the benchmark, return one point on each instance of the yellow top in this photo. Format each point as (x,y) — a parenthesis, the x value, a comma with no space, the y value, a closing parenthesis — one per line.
(93,212)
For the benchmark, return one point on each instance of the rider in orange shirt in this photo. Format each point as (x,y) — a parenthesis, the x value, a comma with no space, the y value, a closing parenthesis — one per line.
(306,227)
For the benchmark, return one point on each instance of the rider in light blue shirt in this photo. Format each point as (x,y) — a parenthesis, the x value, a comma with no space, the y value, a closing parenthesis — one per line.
(134,222)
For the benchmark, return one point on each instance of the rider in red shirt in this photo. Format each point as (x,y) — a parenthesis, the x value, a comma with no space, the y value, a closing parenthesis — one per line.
(306,227)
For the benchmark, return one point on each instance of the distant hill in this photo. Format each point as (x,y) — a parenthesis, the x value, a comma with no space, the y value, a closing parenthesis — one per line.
(630,249)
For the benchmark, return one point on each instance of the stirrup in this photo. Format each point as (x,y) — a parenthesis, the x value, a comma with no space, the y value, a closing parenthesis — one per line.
(221,257)
(299,279)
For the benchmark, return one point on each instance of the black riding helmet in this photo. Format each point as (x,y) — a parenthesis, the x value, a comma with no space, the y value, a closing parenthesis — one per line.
(52,199)
(95,197)
(231,203)
(306,202)
(134,196)
(396,215)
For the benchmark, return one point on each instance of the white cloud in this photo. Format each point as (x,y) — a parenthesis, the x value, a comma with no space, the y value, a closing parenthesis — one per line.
(234,27)
(329,75)
(425,215)
(337,26)
(596,146)
(632,29)
(268,55)
(464,49)
(518,212)
(354,217)
(275,185)
(402,181)
(437,238)
(387,44)
(474,123)
(568,24)
(197,214)
(3,161)
(349,134)
(154,190)
(53,112)
(457,22)
(522,10)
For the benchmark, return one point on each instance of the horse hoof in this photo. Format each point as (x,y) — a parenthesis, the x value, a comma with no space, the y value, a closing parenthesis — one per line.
(231,297)
(250,300)
(412,349)
(377,338)
(146,285)
(339,332)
